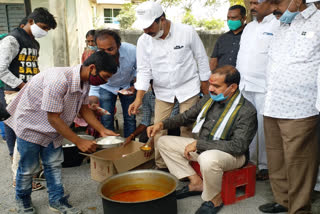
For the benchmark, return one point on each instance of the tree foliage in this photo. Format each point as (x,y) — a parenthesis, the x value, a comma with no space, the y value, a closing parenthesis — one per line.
(207,24)
(188,18)
(234,2)
(211,24)
(126,16)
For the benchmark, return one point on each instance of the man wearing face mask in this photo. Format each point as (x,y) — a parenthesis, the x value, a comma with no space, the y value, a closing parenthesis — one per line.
(227,46)
(174,57)
(41,114)
(225,124)
(19,57)
(19,63)
(106,95)
(290,109)
(251,63)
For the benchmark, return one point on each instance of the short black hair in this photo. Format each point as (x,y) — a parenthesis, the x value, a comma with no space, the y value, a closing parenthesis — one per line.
(104,33)
(157,20)
(242,9)
(42,15)
(232,75)
(103,62)
(24,21)
(91,33)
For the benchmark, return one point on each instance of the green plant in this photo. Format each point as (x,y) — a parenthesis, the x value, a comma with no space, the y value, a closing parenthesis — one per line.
(188,18)
(211,24)
(126,16)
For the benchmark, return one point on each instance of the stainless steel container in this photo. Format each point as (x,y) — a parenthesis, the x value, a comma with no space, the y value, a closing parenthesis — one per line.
(71,152)
(140,179)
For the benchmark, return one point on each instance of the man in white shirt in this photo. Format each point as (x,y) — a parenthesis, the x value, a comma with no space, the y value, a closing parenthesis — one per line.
(290,114)
(174,57)
(251,62)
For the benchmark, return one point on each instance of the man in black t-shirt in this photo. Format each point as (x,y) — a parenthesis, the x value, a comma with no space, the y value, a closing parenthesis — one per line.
(227,46)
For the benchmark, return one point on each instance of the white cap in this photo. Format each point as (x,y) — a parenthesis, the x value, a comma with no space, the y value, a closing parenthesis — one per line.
(311,1)
(146,13)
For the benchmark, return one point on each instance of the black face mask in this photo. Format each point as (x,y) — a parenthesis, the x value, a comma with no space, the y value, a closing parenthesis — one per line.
(277,12)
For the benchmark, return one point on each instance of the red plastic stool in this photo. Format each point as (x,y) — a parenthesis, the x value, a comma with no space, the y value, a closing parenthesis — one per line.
(244,177)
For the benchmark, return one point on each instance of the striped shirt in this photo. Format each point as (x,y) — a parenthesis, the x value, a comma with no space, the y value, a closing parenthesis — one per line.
(55,90)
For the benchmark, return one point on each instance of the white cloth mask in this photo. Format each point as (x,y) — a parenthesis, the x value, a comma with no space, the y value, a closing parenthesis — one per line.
(160,32)
(37,31)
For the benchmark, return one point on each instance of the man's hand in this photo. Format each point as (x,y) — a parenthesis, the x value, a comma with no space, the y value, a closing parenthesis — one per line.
(21,85)
(93,102)
(204,87)
(133,107)
(192,147)
(131,91)
(128,139)
(107,132)
(88,146)
(153,130)
(150,143)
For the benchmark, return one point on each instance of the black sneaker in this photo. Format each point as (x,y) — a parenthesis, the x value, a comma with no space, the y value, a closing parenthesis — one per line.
(62,206)
(273,208)
(208,208)
(25,207)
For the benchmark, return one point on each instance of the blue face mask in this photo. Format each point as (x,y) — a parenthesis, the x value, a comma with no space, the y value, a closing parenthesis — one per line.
(288,16)
(220,97)
(94,48)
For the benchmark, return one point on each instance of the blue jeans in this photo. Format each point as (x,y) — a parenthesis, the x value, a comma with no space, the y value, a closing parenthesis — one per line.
(108,101)
(10,138)
(29,163)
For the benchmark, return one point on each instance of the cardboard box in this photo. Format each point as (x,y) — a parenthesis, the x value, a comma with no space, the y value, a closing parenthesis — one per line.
(111,161)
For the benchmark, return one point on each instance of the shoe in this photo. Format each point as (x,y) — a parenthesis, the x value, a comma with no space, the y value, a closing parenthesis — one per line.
(262,175)
(273,208)
(185,192)
(25,207)
(208,207)
(63,207)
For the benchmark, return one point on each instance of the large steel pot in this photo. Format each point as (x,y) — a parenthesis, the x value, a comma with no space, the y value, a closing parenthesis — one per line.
(140,179)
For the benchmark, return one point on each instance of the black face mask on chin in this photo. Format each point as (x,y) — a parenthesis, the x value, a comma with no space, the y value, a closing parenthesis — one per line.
(277,12)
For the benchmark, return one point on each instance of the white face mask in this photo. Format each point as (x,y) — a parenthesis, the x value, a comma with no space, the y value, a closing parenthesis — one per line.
(160,32)
(37,32)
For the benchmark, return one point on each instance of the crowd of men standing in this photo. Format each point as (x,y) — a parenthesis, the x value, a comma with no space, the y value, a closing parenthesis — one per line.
(279,64)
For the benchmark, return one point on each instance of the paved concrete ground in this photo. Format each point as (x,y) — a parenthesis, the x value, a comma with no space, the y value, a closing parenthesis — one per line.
(84,195)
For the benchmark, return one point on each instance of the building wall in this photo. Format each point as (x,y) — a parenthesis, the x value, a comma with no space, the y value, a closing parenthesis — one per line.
(79,22)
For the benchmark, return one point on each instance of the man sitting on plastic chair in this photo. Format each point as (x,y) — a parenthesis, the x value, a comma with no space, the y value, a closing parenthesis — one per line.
(225,123)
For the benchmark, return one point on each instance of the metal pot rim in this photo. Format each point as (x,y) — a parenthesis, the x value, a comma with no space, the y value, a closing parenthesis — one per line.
(137,172)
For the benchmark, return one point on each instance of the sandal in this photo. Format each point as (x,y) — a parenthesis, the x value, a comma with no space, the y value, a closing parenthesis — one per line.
(35,186)
(39,176)
(262,175)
